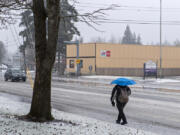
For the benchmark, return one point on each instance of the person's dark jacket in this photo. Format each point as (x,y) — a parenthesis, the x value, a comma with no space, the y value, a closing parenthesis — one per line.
(116,92)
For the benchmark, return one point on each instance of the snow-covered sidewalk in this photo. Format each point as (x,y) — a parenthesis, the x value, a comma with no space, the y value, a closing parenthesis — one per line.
(65,124)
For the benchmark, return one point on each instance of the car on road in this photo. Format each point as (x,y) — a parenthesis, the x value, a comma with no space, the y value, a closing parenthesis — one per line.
(15,75)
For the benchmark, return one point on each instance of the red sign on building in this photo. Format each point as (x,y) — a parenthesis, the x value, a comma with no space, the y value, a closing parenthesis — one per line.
(105,53)
(108,53)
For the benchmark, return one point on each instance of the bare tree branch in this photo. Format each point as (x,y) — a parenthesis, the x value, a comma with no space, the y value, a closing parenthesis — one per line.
(8,8)
(91,18)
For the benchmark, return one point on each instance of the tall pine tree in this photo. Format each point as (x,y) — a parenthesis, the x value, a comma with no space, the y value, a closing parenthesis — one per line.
(128,36)
(28,35)
(2,51)
(27,22)
(68,30)
(66,26)
(139,40)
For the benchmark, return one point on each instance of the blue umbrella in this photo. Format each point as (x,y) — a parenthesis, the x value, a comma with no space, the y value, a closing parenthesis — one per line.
(123,82)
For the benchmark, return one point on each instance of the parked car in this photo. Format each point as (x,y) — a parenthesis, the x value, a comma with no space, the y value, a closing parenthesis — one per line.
(14,75)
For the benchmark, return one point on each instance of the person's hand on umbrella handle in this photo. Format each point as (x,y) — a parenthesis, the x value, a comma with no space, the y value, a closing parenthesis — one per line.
(113,103)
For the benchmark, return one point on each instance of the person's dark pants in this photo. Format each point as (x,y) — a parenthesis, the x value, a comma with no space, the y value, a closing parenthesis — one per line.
(121,115)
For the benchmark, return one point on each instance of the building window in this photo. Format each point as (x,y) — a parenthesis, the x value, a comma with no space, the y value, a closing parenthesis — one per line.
(71,63)
(81,63)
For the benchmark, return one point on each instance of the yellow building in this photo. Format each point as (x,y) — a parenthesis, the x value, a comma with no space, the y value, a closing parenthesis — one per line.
(119,59)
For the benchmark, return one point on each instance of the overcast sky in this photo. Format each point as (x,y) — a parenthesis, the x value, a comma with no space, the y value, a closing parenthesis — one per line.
(135,11)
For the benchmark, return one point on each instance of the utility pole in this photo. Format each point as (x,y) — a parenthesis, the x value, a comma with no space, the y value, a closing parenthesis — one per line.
(160,60)
(77,58)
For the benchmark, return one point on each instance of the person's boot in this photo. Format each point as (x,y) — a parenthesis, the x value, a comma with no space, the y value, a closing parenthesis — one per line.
(117,121)
(124,122)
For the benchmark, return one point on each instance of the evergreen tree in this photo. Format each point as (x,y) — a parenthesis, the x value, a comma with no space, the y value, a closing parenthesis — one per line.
(66,27)
(28,35)
(27,22)
(139,40)
(67,30)
(177,42)
(134,38)
(2,51)
(128,36)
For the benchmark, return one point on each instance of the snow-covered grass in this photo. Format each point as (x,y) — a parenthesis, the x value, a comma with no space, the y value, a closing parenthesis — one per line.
(154,80)
(65,123)
(134,78)
(167,80)
(104,77)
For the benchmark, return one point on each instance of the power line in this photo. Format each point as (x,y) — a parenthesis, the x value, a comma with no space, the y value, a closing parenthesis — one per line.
(104,20)
(123,6)
(148,21)
(128,22)
(165,22)
(128,9)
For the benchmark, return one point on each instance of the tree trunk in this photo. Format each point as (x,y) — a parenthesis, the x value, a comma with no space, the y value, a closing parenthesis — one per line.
(45,57)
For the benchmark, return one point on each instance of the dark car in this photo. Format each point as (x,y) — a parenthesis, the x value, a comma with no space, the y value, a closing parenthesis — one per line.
(14,75)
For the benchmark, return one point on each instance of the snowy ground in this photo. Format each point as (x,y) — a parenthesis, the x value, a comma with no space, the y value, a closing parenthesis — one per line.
(65,124)
(82,125)
(163,80)
(172,83)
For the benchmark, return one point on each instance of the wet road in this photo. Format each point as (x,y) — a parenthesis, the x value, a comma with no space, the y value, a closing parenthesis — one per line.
(149,109)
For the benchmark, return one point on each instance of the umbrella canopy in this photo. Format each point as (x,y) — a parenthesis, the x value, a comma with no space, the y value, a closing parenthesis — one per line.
(123,81)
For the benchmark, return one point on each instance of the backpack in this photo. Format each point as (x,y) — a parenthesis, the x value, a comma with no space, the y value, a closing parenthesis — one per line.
(123,96)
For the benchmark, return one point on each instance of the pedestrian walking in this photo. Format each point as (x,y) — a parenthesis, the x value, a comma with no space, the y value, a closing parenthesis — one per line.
(120,94)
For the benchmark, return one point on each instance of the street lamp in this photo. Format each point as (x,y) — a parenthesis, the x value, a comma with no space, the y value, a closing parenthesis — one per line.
(77,54)
(160,60)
